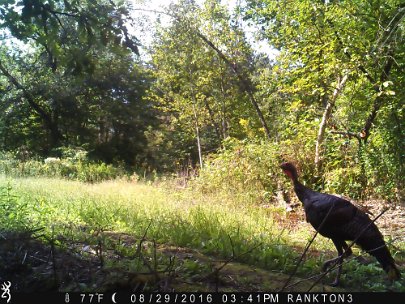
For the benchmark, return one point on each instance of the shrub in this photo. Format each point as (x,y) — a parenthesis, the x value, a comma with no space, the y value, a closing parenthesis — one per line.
(345,181)
(72,166)
(250,169)
(241,167)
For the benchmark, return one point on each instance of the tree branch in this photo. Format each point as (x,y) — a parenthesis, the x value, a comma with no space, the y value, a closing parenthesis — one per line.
(245,83)
(326,115)
(350,135)
(378,101)
(348,54)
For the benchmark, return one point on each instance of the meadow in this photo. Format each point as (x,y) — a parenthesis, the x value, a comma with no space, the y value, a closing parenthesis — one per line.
(156,219)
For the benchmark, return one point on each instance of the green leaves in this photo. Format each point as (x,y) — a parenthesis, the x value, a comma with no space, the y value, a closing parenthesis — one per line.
(53,24)
(15,212)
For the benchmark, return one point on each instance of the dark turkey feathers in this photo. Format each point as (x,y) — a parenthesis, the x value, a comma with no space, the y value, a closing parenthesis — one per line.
(340,220)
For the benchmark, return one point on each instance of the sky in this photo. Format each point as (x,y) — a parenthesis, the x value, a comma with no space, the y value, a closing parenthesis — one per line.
(144,33)
(143,30)
(159,3)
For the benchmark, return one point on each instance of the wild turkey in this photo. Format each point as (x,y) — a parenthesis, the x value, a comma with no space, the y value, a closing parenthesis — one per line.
(343,221)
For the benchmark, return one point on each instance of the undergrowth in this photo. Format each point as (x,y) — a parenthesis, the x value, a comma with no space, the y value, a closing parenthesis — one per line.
(72,164)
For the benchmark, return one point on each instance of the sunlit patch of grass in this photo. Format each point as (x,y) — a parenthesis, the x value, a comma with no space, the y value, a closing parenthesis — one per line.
(214,223)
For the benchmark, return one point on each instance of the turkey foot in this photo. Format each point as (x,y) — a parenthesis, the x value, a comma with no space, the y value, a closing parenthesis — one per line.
(332,263)
(344,251)
(328,264)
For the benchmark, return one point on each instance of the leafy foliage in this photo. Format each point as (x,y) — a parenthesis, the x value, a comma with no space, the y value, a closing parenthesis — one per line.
(52,24)
(194,89)
(74,81)
(76,167)
(242,168)
(78,103)
(319,45)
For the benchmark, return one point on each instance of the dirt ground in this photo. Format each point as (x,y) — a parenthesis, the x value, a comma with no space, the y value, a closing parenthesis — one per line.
(33,266)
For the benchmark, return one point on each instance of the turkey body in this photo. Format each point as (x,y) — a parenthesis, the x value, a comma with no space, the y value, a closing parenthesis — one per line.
(338,219)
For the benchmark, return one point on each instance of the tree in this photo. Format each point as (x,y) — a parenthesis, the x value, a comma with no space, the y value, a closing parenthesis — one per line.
(75,81)
(65,33)
(329,51)
(51,25)
(103,111)
(197,86)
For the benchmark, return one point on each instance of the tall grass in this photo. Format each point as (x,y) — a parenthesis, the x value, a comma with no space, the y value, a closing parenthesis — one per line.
(211,223)
(184,219)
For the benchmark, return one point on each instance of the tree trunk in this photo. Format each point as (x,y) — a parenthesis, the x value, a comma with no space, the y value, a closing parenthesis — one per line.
(244,82)
(390,39)
(212,118)
(326,115)
(224,123)
(197,133)
(379,100)
(196,122)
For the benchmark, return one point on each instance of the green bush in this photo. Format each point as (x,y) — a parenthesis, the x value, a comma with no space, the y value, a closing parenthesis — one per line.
(344,181)
(72,165)
(249,169)
(242,167)
(384,168)
(366,170)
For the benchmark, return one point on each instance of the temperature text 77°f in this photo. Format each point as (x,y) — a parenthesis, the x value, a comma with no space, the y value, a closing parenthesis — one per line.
(90,298)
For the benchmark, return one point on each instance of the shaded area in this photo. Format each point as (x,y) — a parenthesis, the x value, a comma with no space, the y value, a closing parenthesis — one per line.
(117,261)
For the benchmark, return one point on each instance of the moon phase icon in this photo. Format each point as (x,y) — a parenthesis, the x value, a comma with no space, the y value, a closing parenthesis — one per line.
(113,297)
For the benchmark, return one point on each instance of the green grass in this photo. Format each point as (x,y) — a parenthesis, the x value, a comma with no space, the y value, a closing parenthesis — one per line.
(216,224)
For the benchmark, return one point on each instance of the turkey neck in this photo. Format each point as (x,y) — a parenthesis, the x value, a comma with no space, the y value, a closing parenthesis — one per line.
(301,191)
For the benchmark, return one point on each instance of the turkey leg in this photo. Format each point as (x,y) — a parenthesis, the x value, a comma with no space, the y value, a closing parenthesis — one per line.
(340,245)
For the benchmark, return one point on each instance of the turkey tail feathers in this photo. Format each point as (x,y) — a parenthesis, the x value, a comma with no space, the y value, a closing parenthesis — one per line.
(372,241)
(384,257)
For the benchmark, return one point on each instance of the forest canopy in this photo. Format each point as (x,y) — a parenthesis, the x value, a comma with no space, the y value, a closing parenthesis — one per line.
(326,90)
